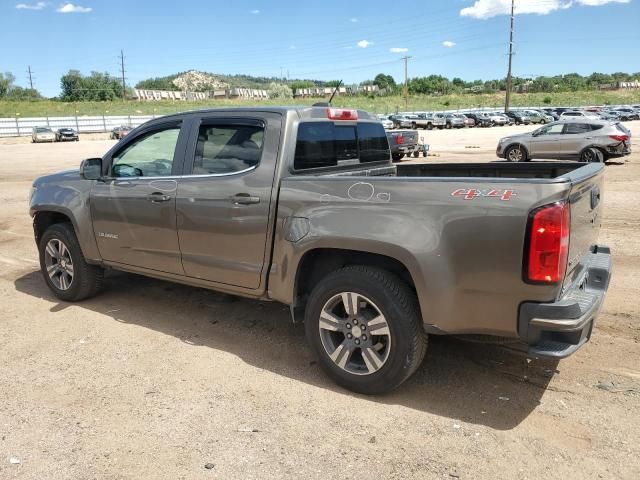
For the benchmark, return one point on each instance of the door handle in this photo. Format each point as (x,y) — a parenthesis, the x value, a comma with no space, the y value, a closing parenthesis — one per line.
(244,199)
(157,197)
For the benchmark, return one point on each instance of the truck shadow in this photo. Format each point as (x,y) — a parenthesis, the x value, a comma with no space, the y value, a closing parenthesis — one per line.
(477,383)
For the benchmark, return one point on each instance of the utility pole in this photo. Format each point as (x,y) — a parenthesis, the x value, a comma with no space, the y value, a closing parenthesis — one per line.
(508,96)
(124,87)
(406,82)
(30,77)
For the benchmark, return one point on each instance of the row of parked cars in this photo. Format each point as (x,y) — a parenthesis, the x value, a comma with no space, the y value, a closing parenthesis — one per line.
(440,120)
(46,134)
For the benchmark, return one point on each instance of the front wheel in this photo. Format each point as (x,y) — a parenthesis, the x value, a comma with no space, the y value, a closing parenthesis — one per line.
(365,327)
(64,267)
(515,153)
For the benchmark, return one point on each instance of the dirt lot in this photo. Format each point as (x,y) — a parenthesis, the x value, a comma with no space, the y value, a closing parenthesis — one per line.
(155,380)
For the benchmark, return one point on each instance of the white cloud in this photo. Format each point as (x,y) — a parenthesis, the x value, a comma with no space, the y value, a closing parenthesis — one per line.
(354,20)
(254,12)
(71,8)
(364,43)
(398,50)
(448,44)
(31,6)
(491,8)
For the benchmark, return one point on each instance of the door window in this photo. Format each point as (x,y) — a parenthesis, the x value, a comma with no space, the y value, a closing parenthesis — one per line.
(150,155)
(552,129)
(227,149)
(576,128)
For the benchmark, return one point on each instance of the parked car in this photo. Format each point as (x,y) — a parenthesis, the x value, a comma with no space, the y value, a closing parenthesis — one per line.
(119,132)
(386,123)
(552,113)
(498,119)
(519,118)
(42,134)
(584,140)
(578,114)
(480,120)
(66,135)
(627,114)
(455,120)
(402,143)
(610,115)
(537,117)
(429,121)
(468,121)
(303,206)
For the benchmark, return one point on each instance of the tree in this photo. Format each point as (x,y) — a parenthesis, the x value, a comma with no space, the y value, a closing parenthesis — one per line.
(19,93)
(298,84)
(97,86)
(384,81)
(6,83)
(278,90)
(333,83)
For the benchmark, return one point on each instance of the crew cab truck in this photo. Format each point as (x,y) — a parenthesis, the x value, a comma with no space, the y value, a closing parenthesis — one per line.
(303,206)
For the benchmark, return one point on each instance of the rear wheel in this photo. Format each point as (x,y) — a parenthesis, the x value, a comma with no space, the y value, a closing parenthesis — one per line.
(64,267)
(591,155)
(515,153)
(429,126)
(413,125)
(397,156)
(365,327)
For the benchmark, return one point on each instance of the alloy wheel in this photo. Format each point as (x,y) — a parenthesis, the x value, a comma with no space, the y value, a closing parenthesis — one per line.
(354,333)
(59,264)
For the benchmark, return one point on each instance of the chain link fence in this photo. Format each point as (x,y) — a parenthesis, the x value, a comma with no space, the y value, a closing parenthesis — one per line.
(22,127)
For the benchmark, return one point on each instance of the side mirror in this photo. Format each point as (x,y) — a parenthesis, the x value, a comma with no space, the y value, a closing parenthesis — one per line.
(91,169)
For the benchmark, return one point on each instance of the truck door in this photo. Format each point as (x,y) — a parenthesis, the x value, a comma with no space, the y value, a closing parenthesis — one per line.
(225,197)
(134,209)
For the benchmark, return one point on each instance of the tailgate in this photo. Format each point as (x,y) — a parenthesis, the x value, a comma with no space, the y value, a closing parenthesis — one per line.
(404,137)
(586,215)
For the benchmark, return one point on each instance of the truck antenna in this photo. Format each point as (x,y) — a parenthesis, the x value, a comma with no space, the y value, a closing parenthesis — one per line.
(335,91)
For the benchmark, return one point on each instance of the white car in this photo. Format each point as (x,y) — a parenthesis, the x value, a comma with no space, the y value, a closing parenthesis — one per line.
(386,123)
(497,118)
(42,134)
(579,114)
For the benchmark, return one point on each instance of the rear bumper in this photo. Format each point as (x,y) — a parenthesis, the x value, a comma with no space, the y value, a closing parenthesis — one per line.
(560,328)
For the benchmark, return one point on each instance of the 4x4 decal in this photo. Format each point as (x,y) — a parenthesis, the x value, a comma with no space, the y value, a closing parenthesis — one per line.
(473,193)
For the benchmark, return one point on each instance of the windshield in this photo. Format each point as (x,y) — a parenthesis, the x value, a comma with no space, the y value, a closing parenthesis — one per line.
(43,130)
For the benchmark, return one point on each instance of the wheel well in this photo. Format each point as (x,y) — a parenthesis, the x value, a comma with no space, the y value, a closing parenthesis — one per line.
(316,264)
(605,154)
(43,220)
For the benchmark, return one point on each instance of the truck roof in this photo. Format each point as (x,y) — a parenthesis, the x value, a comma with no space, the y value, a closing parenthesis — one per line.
(302,111)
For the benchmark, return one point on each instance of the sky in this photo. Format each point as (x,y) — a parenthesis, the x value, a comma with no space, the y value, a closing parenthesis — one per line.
(323,39)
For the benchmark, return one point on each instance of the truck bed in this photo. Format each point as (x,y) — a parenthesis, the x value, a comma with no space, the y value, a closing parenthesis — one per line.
(545,170)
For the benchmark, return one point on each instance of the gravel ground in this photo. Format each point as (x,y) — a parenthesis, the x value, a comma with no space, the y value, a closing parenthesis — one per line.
(156,380)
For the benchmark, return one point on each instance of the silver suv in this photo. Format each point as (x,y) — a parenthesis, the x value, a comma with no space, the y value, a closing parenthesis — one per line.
(585,140)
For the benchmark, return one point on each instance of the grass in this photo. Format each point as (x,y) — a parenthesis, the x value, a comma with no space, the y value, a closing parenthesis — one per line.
(53,108)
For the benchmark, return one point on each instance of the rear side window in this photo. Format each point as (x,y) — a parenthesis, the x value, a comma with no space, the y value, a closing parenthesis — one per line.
(227,149)
(575,128)
(325,144)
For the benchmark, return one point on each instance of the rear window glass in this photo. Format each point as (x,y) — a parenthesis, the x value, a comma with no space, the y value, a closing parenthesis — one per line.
(325,144)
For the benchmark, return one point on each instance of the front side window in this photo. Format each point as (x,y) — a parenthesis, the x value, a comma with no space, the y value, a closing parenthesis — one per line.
(552,129)
(150,155)
(227,148)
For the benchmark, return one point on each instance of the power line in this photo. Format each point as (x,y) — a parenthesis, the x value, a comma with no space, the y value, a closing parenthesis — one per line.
(508,94)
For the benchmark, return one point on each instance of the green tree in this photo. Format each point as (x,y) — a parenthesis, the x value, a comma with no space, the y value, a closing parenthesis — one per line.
(384,82)
(6,83)
(279,90)
(298,84)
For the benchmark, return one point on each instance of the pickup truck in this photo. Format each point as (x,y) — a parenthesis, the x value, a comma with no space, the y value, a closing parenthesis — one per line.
(303,206)
(401,143)
(428,121)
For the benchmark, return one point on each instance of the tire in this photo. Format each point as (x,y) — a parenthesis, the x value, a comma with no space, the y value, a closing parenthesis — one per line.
(413,125)
(591,155)
(515,153)
(396,157)
(84,281)
(398,349)
(448,126)
(429,126)
(416,154)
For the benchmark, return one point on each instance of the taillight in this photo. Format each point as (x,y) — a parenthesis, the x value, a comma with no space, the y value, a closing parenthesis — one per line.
(619,138)
(341,114)
(548,243)
(399,139)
